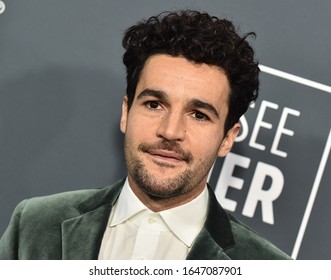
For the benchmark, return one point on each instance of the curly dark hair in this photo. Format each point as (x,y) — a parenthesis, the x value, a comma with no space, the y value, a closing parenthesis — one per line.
(200,38)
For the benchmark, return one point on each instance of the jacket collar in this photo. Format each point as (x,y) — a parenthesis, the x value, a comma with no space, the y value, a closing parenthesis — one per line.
(82,235)
(216,235)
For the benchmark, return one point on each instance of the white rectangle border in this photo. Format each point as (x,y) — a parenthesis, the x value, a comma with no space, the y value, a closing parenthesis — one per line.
(324,158)
(294,78)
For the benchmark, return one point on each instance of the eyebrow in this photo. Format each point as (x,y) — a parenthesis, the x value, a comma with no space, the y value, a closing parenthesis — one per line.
(152,92)
(195,103)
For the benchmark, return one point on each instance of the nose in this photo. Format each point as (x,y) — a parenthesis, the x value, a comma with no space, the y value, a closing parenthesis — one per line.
(172,127)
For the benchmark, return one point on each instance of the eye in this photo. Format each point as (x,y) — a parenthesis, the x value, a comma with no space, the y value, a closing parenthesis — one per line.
(200,116)
(152,105)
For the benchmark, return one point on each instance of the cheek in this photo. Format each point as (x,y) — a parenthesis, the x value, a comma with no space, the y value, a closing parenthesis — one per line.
(141,123)
(137,131)
(206,146)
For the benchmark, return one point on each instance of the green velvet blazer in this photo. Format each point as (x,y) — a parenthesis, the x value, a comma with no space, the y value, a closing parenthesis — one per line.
(70,225)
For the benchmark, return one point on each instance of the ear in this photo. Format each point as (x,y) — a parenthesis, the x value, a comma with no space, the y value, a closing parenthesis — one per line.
(228,141)
(124,116)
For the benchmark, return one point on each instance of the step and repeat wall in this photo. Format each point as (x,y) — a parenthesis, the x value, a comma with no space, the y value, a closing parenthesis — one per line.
(62,83)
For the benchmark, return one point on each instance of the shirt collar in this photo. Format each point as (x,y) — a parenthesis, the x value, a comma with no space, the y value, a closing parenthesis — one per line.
(128,205)
(185,221)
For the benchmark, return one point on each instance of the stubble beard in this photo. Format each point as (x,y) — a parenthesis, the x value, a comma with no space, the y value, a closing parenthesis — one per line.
(157,188)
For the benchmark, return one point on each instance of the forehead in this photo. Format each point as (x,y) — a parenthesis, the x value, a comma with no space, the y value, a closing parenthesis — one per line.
(183,78)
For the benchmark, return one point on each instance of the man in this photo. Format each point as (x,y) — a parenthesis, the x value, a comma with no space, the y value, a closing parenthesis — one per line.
(190,77)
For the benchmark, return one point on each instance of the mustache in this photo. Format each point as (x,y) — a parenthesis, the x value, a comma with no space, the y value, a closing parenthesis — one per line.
(168,146)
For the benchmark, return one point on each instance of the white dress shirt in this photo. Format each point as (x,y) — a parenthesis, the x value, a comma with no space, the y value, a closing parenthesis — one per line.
(135,232)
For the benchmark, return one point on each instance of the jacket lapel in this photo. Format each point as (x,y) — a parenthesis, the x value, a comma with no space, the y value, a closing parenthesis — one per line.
(82,235)
(205,248)
(216,235)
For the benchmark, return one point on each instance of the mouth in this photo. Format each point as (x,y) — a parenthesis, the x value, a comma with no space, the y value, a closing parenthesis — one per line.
(166,156)
(166,153)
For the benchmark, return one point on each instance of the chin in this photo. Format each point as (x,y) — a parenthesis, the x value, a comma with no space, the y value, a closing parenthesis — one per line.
(163,193)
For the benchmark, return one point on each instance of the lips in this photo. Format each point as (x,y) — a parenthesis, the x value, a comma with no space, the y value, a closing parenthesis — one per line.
(166,151)
(166,155)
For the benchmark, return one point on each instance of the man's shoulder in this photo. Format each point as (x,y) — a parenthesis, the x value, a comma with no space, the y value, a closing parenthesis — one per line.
(35,229)
(58,200)
(65,203)
(250,245)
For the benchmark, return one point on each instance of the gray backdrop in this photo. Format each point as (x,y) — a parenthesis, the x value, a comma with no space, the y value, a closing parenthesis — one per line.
(62,83)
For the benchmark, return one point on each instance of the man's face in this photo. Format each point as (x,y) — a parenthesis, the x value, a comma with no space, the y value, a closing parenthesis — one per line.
(174,129)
